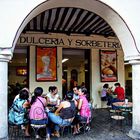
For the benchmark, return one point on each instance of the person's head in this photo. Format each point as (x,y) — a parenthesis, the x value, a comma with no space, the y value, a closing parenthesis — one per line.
(83,84)
(38,91)
(76,89)
(23,94)
(25,88)
(50,88)
(82,91)
(53,90)
(117,84)
(69,95)
(106,86)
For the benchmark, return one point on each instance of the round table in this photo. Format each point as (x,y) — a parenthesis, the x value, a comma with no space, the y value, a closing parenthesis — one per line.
(123,105)
(125,109)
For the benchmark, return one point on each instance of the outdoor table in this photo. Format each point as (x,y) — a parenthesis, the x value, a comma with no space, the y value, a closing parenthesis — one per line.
(122,105)
(125,108)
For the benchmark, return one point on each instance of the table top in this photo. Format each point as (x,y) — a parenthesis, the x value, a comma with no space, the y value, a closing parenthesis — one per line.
(122,104)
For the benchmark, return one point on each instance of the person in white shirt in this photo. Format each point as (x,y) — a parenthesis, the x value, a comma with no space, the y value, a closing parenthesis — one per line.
(53,97)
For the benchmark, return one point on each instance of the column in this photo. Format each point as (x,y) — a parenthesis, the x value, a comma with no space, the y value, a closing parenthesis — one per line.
(3,99)
(135,132)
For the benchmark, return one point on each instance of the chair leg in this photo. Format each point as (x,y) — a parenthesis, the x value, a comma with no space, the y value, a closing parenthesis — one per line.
(47,134)
(66,128)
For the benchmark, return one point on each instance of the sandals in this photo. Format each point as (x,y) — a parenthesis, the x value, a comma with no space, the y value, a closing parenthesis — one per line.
(56,134)
(77,132)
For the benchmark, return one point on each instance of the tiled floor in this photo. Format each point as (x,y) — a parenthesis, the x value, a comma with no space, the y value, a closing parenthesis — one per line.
(100,130)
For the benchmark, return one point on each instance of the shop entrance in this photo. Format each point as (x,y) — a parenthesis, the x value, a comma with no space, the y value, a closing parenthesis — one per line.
(75,69)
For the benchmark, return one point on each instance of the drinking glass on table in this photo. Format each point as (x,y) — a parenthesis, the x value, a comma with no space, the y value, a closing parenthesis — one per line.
(126,101)
(58,102)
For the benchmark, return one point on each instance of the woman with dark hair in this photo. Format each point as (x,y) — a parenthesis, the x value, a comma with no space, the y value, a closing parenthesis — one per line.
(104,92)
(53,96)
(65,113)
(83,108)
(19,110)
(38,104)
(38,115)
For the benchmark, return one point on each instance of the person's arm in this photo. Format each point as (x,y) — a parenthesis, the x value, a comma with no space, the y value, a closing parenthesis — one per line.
(45,102)
(115,91)
(109,91)
(76,103)
(26,105)
(59,108)
(80,104)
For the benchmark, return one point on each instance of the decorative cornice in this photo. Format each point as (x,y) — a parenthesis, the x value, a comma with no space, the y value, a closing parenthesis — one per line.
(134,62)
(5,54)
(132,57)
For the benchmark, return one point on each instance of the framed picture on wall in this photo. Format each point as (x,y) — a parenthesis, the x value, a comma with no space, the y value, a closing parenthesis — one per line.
(21,71)
(108,66)
(46,64)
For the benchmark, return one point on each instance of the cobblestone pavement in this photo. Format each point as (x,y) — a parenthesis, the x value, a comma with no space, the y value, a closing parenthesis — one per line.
(101,129)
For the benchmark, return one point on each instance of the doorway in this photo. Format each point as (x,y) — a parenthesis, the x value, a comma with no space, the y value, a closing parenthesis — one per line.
(75,69)
(18,72)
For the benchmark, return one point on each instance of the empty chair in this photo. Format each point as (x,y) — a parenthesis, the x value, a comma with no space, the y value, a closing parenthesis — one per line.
(116,119)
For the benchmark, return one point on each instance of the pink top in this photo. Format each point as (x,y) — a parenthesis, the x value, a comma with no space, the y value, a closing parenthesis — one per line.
(37,110)
(85,110)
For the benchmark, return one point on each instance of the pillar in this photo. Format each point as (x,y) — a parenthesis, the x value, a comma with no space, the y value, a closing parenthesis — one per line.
(135,132)
(3,99)
(5,56)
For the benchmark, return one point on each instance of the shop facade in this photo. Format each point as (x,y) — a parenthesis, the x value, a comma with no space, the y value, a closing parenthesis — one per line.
(126,46)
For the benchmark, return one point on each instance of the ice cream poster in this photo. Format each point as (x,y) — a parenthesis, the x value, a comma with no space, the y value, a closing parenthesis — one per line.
(46,63)
(108,66)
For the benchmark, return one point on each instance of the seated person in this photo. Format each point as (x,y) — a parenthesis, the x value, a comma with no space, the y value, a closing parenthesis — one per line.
(119,91)
(53,96)
(75,90)
(38,103)
(83,108)
(19,111)
(37,113)
(17,96)
(104,92)
(65,113)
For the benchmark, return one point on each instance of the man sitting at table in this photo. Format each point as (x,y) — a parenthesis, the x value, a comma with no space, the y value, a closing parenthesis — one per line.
(119,91)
